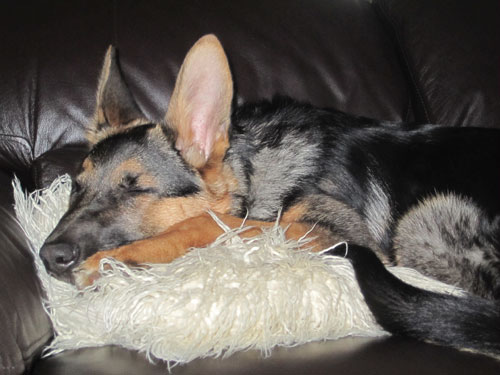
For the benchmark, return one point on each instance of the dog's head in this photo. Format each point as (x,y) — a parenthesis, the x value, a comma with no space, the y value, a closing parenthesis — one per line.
(139,177)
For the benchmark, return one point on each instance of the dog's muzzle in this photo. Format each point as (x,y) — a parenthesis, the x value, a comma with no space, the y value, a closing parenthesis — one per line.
(59,258)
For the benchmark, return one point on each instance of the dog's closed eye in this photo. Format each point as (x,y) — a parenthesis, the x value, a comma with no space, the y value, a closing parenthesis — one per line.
(133,183)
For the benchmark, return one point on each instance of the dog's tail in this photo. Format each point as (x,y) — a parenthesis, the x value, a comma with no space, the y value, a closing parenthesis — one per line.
(469,323)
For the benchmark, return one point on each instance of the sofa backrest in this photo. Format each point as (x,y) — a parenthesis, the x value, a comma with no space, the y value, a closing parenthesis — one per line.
(450,51)
(392,59)
(330,53)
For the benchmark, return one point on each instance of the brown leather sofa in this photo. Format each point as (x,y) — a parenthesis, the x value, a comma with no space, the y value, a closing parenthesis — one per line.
(416,60)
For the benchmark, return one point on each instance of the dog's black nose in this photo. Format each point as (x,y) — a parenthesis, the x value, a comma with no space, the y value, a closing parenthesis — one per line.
(59,257)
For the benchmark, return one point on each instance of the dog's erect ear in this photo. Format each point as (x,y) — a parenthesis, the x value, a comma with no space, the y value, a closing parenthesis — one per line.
(200,106)
(115,105)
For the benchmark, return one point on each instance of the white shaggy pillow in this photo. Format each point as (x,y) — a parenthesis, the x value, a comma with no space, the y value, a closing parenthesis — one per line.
(234,295)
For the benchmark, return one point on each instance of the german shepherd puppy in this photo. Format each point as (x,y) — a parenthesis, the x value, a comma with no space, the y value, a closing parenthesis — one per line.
(422,196)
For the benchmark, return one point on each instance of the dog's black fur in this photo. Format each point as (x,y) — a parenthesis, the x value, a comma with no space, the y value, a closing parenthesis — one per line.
(436,207)
(424,196)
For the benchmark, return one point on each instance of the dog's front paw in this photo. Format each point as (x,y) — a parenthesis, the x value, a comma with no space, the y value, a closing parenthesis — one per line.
(88,272)
(83,278)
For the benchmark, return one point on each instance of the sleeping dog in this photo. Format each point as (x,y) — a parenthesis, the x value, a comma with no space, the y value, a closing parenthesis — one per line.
(422,196)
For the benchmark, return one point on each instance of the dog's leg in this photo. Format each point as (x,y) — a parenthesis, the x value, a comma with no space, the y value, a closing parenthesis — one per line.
(198,231)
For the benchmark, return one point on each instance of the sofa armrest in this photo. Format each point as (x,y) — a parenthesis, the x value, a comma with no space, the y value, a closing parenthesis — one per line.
(54,163)
(24,325)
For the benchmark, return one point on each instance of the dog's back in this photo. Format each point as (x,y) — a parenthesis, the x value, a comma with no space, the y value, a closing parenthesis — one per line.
(420,195)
